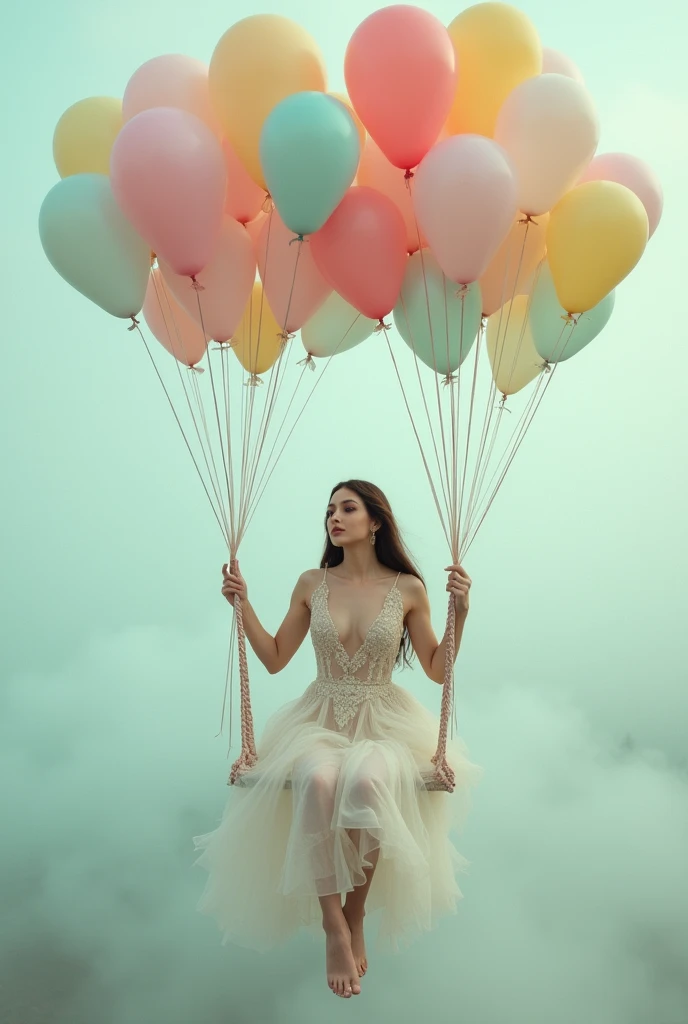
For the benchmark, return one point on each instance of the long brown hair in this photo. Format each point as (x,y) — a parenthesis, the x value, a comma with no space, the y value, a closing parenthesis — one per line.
(389,546)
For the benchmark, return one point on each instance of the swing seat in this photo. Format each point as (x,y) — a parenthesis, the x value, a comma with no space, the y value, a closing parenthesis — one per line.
(428,781)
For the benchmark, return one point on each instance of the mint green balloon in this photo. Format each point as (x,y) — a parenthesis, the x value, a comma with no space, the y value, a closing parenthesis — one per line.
(309,152)
(93,246)
(556,339)
(335,328)
(434,316)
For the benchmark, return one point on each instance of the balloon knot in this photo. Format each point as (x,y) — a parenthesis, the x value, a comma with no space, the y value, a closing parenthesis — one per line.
(197,369)
(527,219)
(483,321)
(502,405)
(546,366)
(285,336)
(296,238)
(382,326)
(268,204)
(222,345)
(254,381)
(309,361)
(570,318)
(196,285)
(460,292)
(134,324)
(450,378)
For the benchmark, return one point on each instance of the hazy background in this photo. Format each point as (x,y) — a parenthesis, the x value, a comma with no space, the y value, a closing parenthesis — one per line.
(572,679)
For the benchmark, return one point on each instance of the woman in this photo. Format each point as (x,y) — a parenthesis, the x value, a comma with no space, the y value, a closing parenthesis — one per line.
(353,748)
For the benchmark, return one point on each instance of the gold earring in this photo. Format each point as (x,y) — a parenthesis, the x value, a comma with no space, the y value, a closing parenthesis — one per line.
(372,537)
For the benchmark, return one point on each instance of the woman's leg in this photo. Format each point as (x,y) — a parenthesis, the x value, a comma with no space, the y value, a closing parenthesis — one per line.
(314,784)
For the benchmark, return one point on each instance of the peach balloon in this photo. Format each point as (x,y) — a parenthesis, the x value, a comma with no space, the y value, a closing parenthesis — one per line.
(254,228)
(635,174)
(400,71)
(293,285)
(377,172)
(556,63)
(361,251)
(225,283)
(172,80)
(169,322)
(244,199)
(511,268)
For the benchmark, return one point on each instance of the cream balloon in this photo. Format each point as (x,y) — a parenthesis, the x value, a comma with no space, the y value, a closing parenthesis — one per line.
(556,63)
(513,357)
(550,129)
(335,328)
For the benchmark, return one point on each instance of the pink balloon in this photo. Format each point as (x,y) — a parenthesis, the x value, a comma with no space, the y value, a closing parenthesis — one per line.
(556,63)
(226,283)
(635,174)
(464,194)
(361,251)
(244,199)
(168,176)
(171,324)
(400,71)
(293,285)
(376,171)
(171,80)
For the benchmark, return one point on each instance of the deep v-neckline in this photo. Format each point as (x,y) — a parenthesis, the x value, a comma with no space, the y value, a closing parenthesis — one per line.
(351,658)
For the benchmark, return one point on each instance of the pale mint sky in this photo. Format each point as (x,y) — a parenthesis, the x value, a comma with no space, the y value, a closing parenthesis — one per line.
(114,632)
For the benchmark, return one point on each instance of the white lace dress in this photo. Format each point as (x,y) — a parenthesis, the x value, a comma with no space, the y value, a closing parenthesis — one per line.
(354,746)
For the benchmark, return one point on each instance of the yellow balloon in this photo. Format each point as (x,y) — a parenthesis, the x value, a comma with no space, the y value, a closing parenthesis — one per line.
(595,236)
(84,136)
(343,98)
(497,48)
(259,338)
(513,357)
(259,62)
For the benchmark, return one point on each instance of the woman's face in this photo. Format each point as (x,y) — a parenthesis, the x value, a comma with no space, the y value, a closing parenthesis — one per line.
(348,521)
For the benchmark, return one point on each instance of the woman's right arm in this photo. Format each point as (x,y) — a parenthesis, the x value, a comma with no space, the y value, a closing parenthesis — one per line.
(275,652)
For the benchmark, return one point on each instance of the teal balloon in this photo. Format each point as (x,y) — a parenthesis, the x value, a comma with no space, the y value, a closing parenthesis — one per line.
(93,246)
(555,338)
(309,152)
(438,319)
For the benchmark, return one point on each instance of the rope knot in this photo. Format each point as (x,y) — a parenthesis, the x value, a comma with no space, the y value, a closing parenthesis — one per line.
(254,381)
(450,378)
(309,361)
(196,285)
(296,238)
(134,324)
(382,326)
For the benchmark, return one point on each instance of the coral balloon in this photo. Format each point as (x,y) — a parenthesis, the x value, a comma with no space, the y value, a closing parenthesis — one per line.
(596,235)
(92,246)
(635,174)
(513,357)
(309,150)
(377,172)
(549,128)
(556,63)
(257,63)
(244,200)
(361,251)
(171,80)
(464,195)
(225,283)
(293,285)
(170,324)
(259,339)
(438,322)
(168,175)
(511,268)
(85,134)
(335,328)
(255,226)
(497,48)
(556,336)
(400,71)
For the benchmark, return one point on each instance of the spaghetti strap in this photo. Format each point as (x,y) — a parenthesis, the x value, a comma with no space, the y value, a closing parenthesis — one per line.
(396,580)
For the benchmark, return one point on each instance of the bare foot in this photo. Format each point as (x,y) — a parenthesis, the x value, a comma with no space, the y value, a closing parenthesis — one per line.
(355,923)
(342,977)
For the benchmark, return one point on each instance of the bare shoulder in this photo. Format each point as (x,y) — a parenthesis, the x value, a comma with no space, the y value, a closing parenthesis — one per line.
(412,589)
(306,584)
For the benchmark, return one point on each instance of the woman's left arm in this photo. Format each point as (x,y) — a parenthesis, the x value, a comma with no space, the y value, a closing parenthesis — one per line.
(432,654)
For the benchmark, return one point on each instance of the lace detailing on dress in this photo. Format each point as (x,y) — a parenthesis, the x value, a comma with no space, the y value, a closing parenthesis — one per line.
(365,675)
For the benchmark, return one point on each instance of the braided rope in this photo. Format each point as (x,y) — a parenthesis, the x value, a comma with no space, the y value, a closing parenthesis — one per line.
(443,771)
(248,757)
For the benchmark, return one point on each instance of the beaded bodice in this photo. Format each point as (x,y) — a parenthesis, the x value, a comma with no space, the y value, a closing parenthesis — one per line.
(374,660)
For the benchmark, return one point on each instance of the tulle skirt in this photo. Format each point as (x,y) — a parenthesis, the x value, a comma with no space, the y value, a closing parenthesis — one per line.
(354,790)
